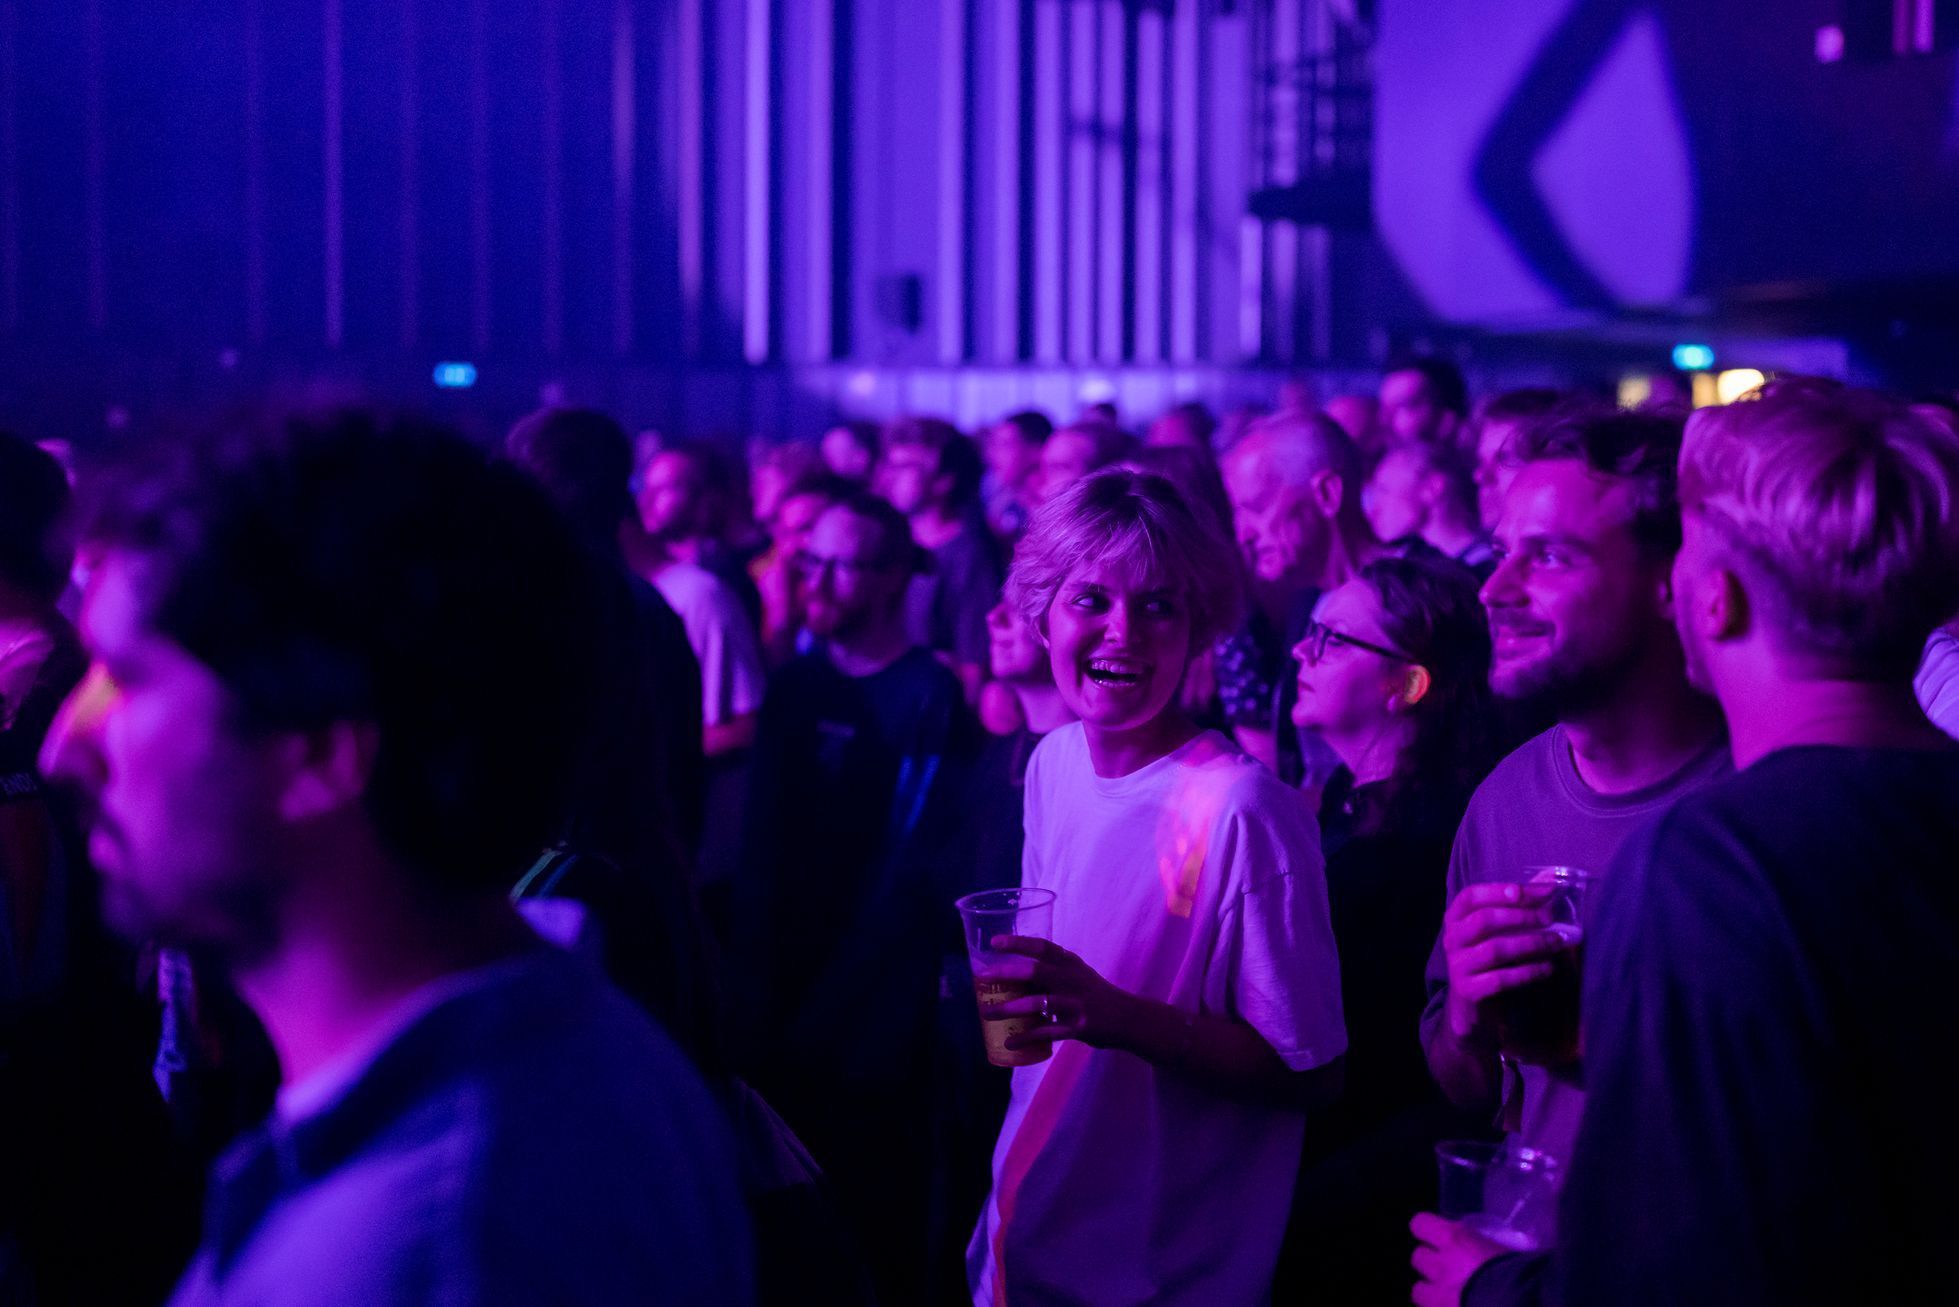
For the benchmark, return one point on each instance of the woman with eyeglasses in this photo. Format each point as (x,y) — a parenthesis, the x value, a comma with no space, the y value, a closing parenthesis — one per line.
(1394,676)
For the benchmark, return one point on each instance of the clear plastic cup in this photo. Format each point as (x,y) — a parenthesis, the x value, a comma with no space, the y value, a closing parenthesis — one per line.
(997,976)
(1538,1022)
(1506,1193)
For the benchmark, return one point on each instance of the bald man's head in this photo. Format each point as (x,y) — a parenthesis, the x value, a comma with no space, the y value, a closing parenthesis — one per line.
(1292,480)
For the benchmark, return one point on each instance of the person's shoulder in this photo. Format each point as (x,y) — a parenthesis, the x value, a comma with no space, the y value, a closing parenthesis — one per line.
(567,1068)
(1237,784)
(922,672)
(651,607)
(802,674)
(1059,748)
(975,543)
(546,999)
(1527,769)
(1777,795)
(533,1125)
(688,585)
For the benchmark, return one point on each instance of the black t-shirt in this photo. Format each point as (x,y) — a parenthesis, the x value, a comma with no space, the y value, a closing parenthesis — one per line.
(854,784)
(985,849)
(946,608)
(1369,1160)
(1768,1044)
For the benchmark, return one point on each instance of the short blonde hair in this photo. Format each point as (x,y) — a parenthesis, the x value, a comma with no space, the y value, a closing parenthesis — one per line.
(1123,516)
(1844,504)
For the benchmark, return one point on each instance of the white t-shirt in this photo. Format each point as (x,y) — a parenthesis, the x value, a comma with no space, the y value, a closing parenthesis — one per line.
(1196,881)
(1937,682)
(732,679)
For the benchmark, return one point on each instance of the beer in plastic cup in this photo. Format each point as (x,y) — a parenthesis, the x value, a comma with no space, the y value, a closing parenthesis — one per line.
(1538,1022)
(997,976)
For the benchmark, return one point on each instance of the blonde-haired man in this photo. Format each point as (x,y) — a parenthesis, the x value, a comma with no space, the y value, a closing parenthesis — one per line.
(1765,987)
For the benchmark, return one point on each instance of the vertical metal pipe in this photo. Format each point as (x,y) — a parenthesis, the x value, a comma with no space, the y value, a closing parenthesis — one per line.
(1079,131)
(255,307)
(757,198)
(1004,342)
(335,254)
(1151,194)
(1050,180)
(9,167)
(952,198)
(410,231)
(690,202)
(1186,180)
(625,141)
(482,273)
(553,224)
(819,230)
(1112,200)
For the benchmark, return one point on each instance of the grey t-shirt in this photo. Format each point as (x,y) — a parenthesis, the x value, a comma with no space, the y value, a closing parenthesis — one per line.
(1535,810)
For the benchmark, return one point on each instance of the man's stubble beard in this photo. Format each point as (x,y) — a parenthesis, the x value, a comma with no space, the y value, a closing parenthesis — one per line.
(1562,687)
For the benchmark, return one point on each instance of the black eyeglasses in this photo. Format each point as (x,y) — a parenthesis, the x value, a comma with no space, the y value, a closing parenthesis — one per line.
(1319,635)
(809,566)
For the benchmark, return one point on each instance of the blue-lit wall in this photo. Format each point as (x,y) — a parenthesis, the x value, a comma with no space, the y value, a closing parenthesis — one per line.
(902,181)
(601,194)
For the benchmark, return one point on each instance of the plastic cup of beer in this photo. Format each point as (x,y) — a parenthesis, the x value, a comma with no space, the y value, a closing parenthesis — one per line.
(998,976)
(1504,1192)
(1538,1022)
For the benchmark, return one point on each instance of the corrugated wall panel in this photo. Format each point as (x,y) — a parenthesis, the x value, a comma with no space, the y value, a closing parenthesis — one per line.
(993,182)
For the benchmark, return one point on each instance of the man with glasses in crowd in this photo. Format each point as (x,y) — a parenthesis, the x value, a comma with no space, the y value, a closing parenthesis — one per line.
(862,745)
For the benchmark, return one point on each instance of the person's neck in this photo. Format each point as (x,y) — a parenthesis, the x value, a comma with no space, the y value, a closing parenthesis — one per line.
(1372,752)
(1652,728)
(330,985)
(1120,752)
(1352,547)
(1042,705)
(644,552)
(1786,712)
(1451,536)
(934,526)
(870,651)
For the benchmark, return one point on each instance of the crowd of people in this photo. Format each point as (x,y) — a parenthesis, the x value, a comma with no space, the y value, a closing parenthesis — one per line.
(437,874)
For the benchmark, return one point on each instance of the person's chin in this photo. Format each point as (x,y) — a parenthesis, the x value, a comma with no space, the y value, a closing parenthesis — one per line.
(1517,678)
(104,853)
(1122,710)
(126,912)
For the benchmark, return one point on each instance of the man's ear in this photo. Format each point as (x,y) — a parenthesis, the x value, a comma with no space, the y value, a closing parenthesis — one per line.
(327,769)
(1415,685)
(1724,608)
(1434,488)
(1328,491)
